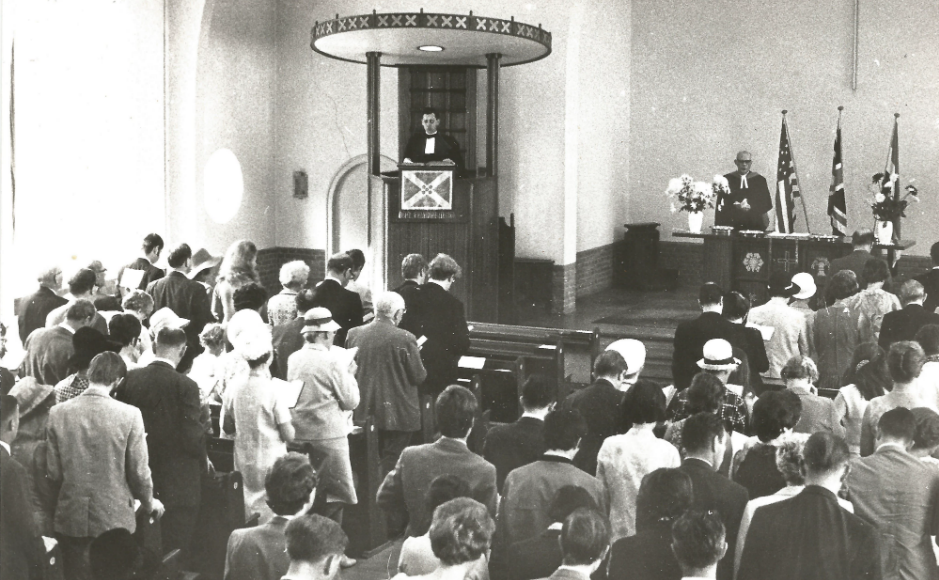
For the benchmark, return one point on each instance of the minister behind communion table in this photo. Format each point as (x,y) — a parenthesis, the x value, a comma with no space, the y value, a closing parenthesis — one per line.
(748,205)
(429,146)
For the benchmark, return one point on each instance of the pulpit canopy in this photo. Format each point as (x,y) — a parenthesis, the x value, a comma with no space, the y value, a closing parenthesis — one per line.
(424,38)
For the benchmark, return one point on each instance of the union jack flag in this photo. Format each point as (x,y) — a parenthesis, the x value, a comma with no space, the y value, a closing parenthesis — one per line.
(787,184)
(837,206)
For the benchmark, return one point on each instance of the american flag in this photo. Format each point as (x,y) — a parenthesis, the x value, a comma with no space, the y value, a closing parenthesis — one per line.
(837,207)
(787,184)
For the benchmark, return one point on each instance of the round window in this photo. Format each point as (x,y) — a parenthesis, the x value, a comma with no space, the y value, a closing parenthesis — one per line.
(224,186)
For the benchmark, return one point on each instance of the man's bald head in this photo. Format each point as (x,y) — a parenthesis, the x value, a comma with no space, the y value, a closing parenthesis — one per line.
(743,162)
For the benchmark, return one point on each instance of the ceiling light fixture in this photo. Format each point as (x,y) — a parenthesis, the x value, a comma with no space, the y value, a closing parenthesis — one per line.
(430,48)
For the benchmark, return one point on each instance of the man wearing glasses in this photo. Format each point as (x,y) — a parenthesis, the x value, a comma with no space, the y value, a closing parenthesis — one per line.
(748,205)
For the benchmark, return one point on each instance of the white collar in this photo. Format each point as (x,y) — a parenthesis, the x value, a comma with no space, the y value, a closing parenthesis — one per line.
(6,446)
(891,444)
(329,276)
(532,416)
(67,327)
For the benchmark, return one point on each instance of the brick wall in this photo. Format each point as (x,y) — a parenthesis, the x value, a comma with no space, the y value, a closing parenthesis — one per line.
(564,288)
(594,270)
(271,259)
(686,258)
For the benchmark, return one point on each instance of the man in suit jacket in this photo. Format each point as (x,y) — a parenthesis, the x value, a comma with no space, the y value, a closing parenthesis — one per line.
(80,287)
(260,553)
(530,489)
(703,438)
(34,309)
(402,494)
(516,444)
(151,248)
(899,495)
(862,241)
(585,541)
(698,543)
(430,145)
(691,335)
(810,536)
(287,338)
(439,317)
(390,371)
(48,350)
(97,457)
(345,305)
(750,340)
(818,413)
(188,299)
(599,404)
(414,272)
(930,280)
(20,543)
(171,409)
(905,323)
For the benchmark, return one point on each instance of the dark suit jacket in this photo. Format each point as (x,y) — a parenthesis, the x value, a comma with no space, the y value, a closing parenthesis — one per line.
(445,147)
(20,542)
(600,404)
(258,553)
(713,491)
(409,291)
(287,340)
(34,309)
(646,556)
(536,557)
(345,306)
(47,354)
(809,537)
(170,405)
(690,337)
(904,324)
(514,445)
(930,281)
(189,300)
(439,316)
(403,493)
(150,274)
(854,261)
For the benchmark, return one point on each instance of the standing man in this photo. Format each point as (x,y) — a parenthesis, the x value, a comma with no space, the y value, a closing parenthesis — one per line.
(862,242)
(905,323)
(48,350)
(930,280)
(429,146)
(34,309)
(899,495)
(439,319)
(414,272)
(171,409)
(97,457)
(152,246)
(691,335)
(789,337)
(512,445)
(390,371)
(81,286)
(345,305)
(748,205)
(185,297)
(364,292)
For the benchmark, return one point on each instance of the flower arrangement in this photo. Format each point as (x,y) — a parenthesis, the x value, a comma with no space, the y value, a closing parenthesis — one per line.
(886,205)
(692,196)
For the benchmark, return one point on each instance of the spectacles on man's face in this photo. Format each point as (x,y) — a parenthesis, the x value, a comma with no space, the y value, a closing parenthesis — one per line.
(743,161)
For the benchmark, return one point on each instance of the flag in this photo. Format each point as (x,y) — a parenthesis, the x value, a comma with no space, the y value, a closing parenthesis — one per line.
(837,208)
(891,176)
(787,184)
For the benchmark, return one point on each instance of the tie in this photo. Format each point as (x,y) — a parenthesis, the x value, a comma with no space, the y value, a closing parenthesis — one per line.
(743,182)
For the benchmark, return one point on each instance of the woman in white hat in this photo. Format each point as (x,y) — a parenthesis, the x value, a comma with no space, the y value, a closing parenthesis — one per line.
(320,415)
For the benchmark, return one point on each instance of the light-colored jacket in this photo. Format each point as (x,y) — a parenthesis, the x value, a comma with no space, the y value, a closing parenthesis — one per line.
(789,333)
(98,451)
(328,389)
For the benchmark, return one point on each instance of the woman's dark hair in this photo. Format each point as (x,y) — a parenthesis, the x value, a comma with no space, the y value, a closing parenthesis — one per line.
(251,296)
(874,271)
(774,412)
(461,531)
(705,394)
(664,495)
(868,371)
(905,361)
(928,338)
(442,489)
(644,403)
(842,285)
(736,306)
(289,483)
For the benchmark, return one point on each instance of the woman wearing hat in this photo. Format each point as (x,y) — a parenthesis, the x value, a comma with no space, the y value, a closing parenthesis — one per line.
(788,336)
(320,416)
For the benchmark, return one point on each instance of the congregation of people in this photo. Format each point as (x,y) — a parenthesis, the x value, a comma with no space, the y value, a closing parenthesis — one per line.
(800,438)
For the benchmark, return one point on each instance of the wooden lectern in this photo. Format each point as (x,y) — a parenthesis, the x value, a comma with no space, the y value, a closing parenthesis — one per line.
(432,211)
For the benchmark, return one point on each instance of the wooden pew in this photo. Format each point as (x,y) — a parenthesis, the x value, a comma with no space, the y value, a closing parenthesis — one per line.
(500,382)
(222,511)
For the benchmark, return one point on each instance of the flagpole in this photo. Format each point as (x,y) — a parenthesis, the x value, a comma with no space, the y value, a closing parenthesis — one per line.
(795,167)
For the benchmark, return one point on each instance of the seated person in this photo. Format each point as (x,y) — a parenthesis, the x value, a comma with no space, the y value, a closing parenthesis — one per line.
(698,543)
(538,557)
(260,553)
(316,546)
(429,146)
(665,494)
(459,536)
(585,541)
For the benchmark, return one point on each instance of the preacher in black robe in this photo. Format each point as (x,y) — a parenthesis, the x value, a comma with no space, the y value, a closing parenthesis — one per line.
(430,145)
(744,185)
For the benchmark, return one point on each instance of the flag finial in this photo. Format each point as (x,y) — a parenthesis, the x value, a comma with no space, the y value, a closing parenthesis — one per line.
(785,111)
(896,115)
(840,107)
